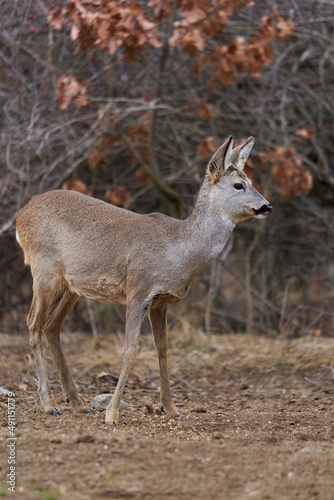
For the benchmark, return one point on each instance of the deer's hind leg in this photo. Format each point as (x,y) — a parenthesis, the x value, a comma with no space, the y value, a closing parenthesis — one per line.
(43,291)
(61,304)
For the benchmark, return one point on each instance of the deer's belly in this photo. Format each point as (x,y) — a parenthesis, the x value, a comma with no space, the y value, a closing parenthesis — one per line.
(102,289)
(161,299)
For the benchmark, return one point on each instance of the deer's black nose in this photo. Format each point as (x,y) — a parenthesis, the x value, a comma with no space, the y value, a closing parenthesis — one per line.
(265,209)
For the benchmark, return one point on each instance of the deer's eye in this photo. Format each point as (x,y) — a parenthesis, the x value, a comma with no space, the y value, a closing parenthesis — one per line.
(238,186)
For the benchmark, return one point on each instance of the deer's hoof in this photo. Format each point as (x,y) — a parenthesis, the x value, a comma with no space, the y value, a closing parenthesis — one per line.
(54,411)
(112,417)
(113,425)
(79,404)
(87,410)
(174,415)
(171,414)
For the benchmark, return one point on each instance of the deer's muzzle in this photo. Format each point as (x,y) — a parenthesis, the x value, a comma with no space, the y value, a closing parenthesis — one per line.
(264,210)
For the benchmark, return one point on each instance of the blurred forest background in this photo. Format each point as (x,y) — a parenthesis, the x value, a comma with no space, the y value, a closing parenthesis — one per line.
(127,100)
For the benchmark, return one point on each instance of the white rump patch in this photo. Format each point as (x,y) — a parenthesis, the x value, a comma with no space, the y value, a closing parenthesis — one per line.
(18,239)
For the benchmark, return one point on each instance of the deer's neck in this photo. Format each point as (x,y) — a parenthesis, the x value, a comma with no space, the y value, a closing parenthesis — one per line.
(207,231)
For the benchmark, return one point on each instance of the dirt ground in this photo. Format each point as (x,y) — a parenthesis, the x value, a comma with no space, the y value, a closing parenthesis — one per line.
(257,421)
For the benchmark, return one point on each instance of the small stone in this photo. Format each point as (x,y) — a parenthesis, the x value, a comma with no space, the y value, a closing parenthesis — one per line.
(199,409)
(86,438)
(56,440)
(150,408)
(101,402)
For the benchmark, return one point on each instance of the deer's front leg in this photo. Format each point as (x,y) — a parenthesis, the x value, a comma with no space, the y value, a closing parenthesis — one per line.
(158,319)
(135,313)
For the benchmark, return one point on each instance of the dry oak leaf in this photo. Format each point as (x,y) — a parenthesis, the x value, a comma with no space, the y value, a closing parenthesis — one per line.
(70,88)
(288,170)
(212,26)
(175,38)
(238,52)
(118,196)
(161,9)
(194,12)
(55,18)
(112,25)
(285,26)
(193,42)
(142,177)
(137,133)
(204,111)
(194,16)
(206,148)
(96,160)
(76,185)
(306,133)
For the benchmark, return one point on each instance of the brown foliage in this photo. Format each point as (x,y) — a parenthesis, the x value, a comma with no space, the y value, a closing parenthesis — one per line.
(118,196)
(247,57)
(142,177)
(285,26)
(109,25)
(205,111)
(76,185)
(70,88)
(206,148)
(292,176)
(127,28)
(306,133)
(137,133)
(96,160)
(55,18)
(139,136)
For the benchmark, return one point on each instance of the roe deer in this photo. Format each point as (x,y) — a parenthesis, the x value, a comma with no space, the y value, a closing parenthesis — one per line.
(81,246)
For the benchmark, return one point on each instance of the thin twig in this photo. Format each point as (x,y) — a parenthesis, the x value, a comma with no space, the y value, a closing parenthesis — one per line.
(318,384)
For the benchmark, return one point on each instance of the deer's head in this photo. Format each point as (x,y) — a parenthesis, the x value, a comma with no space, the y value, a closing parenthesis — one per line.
(231,191)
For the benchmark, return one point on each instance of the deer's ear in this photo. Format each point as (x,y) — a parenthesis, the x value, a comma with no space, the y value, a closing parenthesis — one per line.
(241,153)
(220,161)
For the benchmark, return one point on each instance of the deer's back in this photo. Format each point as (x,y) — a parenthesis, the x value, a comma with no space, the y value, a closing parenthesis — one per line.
(70,222)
